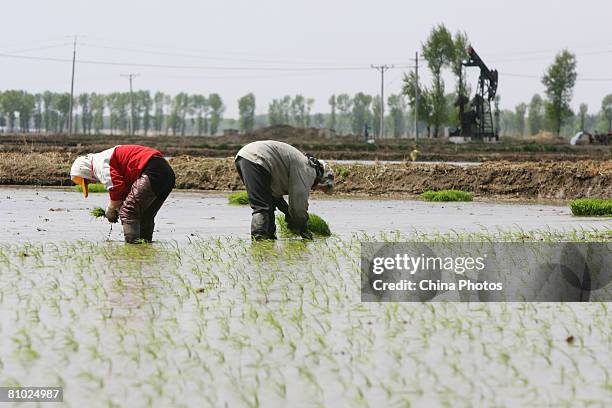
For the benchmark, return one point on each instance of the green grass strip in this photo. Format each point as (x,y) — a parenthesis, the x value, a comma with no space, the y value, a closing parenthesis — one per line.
(601,207)
(447,195)
(93,188)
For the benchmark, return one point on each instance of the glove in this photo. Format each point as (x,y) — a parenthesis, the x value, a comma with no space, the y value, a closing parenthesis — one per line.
(306,234)
(111,213)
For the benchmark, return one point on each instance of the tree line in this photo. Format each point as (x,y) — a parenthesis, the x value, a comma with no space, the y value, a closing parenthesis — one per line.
(94,112)
(191,114)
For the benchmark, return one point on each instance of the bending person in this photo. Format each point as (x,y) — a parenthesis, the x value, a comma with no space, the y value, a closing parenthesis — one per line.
(138,180)
(270,170)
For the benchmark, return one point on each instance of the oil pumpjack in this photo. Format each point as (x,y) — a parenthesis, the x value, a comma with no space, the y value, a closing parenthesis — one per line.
(477,121)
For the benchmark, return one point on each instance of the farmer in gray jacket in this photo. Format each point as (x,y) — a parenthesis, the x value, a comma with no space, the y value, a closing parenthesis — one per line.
(270,170)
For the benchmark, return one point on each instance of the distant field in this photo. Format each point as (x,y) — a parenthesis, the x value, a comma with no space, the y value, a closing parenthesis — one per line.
(309,140)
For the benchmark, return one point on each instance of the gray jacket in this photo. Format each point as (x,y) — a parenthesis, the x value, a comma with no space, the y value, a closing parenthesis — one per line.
(290,171)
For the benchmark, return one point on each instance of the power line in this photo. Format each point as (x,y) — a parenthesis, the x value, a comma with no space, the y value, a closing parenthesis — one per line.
(528,76)
(189,67)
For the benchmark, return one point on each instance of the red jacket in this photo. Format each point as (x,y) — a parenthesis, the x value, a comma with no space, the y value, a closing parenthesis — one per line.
(119,167)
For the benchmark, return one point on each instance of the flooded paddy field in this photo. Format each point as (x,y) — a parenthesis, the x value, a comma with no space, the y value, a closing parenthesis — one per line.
(41,215)
(204,317)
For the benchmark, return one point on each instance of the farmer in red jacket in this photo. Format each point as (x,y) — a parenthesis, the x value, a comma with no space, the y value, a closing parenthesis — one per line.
(138,180)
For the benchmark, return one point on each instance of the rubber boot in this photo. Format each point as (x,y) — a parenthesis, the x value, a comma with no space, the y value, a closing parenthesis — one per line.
(260,227)
(131,232)
(146,231)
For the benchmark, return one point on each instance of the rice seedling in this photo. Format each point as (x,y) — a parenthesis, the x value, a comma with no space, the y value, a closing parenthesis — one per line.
(238,198)
(342,172)
(92,187)
(447,195)
(601,207)
(282,324)
(316,225)
(98,212)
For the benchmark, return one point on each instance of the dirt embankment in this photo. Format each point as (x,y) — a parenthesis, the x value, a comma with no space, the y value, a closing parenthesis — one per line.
(560,180)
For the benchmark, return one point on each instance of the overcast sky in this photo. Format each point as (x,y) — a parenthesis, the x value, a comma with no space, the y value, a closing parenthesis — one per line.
(315,47)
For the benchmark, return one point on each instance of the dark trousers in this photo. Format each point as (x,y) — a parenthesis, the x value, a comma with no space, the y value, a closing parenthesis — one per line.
(147,195)
(258,183)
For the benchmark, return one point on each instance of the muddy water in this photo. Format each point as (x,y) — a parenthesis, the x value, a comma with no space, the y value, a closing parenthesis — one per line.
(51,215)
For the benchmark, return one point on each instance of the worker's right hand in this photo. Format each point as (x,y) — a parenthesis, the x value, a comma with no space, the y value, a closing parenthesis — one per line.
(111,213)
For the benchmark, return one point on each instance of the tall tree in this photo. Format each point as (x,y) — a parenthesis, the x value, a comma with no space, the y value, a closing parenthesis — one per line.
(397,112)
(159,104)
(535,117)
(438,51)
(61,102)
(559,81)
(361,112)
(496,112)
(38,110)
(519,117)
(425,108)
(246,111)
(460,54)
(145,104)
(47,98)
(83,100)
(97,112)
(298,111)
(177,113)
(345,105)
(26,110)
(606,110)
(332,116)
(318,120)
(200,104)
(275,113)
(375,116)
(11,101)
(216,112)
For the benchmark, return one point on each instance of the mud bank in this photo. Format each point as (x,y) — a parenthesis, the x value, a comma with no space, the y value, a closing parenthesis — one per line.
(551,180)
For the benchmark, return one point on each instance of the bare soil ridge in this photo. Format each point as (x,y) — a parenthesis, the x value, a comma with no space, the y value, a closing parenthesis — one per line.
(552,180)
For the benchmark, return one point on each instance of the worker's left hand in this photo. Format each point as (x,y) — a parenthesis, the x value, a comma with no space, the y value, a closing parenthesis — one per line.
(111,213)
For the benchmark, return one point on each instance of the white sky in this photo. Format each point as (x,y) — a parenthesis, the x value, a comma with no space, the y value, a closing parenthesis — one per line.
(515,37)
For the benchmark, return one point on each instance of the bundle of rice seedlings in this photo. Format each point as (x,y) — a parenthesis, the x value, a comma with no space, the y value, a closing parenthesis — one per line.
(238,198)
(316,225)
(97,212)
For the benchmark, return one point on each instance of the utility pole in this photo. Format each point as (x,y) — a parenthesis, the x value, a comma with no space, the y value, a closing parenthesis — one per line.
(72,88)
(382,69)
(130,77)
(416,105)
